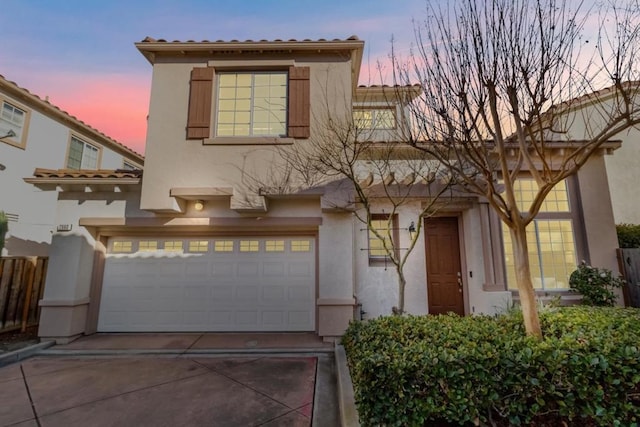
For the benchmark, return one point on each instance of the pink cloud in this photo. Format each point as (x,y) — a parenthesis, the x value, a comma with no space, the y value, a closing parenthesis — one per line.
(115,104)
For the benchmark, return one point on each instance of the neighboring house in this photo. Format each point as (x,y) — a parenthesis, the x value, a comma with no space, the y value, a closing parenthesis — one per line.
(189,247)
(34,133)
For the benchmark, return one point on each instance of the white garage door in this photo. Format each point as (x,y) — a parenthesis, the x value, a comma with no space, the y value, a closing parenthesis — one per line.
(208,284)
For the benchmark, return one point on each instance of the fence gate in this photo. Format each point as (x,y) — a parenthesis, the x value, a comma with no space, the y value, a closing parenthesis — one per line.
(21,287)
(629,263)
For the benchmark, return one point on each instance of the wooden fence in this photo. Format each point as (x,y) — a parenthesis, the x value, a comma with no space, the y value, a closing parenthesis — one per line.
(21,288)
(629,263)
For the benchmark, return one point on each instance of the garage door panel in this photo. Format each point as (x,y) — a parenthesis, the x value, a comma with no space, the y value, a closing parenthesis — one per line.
(223,285)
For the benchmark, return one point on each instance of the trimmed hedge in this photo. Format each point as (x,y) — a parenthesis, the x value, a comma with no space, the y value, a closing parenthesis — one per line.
(628,235)
(414,371)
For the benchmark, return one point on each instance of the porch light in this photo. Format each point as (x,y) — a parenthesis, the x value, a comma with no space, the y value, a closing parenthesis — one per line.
(199,205)
(412,230)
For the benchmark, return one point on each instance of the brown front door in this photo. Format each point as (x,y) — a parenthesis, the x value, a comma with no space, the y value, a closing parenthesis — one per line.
(444,275)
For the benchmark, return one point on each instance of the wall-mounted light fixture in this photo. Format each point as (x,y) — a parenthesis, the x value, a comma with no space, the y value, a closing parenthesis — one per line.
(9,134)
(412,230)
(198,205)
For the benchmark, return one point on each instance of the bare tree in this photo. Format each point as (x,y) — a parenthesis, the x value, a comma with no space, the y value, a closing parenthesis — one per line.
(363,171)
(503,81)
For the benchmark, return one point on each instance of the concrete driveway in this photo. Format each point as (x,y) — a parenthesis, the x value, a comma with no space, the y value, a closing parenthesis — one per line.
(165,390)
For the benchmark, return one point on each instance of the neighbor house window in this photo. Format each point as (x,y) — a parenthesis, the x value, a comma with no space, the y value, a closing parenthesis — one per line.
(13,124)
(382,118)
(386,229)
(128,166)
(82,155)
(252,104)
(550,238)
(12,119)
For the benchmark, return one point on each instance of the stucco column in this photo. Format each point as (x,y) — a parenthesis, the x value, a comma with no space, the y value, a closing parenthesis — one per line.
(599,224)
(336,300)
(66,295)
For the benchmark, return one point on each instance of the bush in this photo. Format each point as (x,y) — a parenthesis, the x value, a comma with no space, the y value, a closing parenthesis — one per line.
(595,284)
(628,235)
(414,371)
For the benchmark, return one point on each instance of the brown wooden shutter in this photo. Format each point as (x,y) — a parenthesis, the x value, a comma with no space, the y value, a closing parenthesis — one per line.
(199,118)
(299,103)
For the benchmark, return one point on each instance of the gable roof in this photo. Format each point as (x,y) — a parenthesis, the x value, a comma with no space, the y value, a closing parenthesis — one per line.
(54,112)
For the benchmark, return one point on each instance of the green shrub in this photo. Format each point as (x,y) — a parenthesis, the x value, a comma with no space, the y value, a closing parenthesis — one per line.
(414,371)
(595,284)
(628,235)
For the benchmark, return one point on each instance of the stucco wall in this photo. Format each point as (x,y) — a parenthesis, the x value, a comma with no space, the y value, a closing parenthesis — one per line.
(173,161)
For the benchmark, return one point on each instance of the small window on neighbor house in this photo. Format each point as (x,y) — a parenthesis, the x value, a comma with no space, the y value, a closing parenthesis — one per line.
(148,245)
(173,246)
(252,104)
(382,118)
(223,246)
(128,166)
(274,246)
(12,118)
(122,246)
(249,245)
(386,231)
(300,246)
(198,246)
(82,155)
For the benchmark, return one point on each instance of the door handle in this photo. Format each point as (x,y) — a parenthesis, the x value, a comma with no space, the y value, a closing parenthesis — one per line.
(460,281)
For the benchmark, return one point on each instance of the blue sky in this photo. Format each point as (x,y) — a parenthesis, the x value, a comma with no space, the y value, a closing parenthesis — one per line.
(81,54)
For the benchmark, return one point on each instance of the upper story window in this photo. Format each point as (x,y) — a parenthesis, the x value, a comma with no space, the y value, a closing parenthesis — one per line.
(551,238)
(252,104)
(249,107)
(13,123)
(82,155)
(379,118)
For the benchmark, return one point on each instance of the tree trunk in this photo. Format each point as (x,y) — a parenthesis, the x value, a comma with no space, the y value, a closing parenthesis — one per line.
(402,283)
(528,299)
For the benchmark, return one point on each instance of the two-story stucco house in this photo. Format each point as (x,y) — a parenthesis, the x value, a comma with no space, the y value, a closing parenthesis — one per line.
(189,247)
(34,133)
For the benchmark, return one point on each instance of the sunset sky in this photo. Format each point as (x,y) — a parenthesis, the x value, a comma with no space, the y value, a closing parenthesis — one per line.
(80,53)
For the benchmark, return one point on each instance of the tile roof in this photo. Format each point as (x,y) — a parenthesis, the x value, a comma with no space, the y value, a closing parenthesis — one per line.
(87,173)
(44,104)
(596,96)
(249,41)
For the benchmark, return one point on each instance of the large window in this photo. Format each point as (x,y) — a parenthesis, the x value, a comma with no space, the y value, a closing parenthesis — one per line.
(82,155)
(550,238)
(252,104)
(12,122)
(382,118)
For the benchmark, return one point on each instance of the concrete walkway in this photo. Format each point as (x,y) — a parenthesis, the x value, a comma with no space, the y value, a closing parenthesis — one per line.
(199,380)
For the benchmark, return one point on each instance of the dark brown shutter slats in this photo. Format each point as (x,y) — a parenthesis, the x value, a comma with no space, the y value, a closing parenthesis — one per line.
(199,118)
(299,103)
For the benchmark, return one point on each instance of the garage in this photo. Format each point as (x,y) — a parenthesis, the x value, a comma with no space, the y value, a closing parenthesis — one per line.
(208,284)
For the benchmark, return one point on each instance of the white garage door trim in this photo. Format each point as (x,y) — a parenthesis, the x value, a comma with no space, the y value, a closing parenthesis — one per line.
(208,284)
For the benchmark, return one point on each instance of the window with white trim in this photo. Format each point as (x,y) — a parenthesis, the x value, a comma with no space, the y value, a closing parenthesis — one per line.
(12,120)
(550,238)
(251,104)
(82,155)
